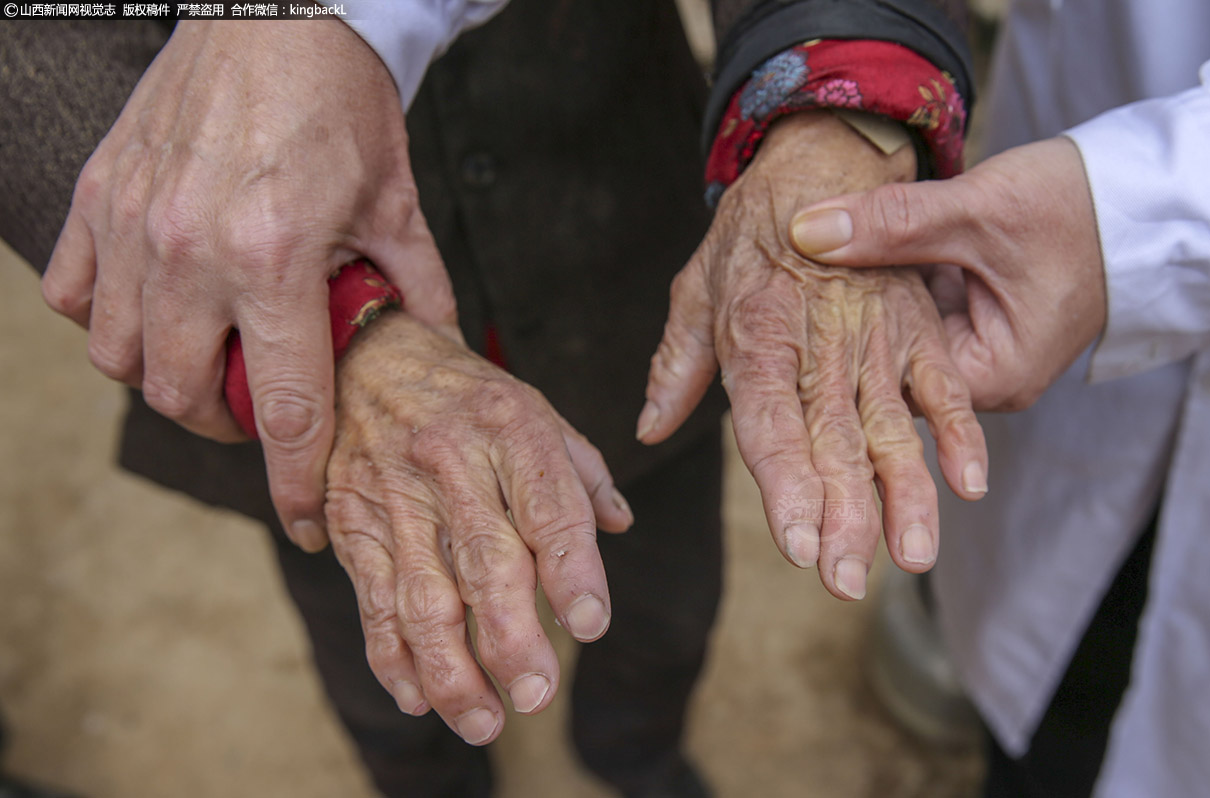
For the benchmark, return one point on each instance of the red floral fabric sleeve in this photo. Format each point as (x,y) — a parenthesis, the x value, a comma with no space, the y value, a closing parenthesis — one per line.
(356,294)
(862,75)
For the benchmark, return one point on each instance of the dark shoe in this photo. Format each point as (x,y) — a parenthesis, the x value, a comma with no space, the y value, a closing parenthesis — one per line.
(11,788)
(680,781)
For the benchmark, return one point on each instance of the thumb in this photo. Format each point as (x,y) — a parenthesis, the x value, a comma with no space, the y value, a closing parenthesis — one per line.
(684,363)
(287,346)
(893,225)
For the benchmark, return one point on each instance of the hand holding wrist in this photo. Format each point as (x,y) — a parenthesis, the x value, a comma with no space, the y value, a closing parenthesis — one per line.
(1021,226)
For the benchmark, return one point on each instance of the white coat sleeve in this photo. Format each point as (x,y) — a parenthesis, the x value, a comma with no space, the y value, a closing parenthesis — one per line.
(408,35)
(1148,165)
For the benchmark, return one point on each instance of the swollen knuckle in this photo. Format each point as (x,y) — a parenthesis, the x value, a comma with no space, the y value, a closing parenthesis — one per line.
(443,679)
(404,203)
(435,447)
(262,250)
(888,439)
(175,229)
(296,501)
(113,359)
(960,429)
(593,462)
(377,608)
(840,438)
(767,421)
(289,417)
(504,400)
(668,363)
(166,397)
(482,561)
(686,290)
(885,434)
(775,460)
(947,393)
(762,314)
(129,209)
(383,650)
(556,529)
(885,407)
(680,352)
(426,606)
(508,641)
(60,297)
(90,184)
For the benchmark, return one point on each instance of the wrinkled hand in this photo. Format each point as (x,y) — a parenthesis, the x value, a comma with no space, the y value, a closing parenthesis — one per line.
(1030,294)
(434,447)
(251,161)
(816,362)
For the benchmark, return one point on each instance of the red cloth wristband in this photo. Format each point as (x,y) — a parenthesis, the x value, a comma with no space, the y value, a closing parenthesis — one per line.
(356,294)
(862,75)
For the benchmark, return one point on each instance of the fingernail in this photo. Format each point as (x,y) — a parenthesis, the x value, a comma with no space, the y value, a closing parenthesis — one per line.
(408,697)
(974,480)
(850,577)
(802,544)
(916,545)
(477,726)
(587,618)
(647,420)
(817,232)
(528,691)
(619,501)
(308,535)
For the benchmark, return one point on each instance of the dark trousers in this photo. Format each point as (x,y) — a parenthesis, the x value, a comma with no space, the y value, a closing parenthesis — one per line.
(630,689)
(1066,752)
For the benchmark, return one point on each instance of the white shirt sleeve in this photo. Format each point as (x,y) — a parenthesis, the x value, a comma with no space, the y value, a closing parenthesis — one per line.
(1148,164)
(408,35)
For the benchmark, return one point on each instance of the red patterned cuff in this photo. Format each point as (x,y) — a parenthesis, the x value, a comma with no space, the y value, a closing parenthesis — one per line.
(862,75)
(356,294)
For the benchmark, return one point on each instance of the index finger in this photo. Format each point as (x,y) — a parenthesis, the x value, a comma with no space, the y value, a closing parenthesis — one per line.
(554,517)
(760,373)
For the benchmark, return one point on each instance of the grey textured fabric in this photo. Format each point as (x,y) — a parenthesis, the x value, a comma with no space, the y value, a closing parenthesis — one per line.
(62,85)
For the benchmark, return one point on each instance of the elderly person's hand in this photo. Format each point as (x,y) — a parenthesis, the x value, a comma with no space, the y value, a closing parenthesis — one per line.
(817,363)
(453,485)
(1030,294)
(251,161)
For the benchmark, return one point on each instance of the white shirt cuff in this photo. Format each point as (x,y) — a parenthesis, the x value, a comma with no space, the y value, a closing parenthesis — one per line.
(1148,165)
(408,35)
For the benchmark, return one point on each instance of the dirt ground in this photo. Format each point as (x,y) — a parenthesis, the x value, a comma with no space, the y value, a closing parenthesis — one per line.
(147,647)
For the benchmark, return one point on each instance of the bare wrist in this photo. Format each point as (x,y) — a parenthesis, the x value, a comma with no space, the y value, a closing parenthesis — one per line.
(835,152)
